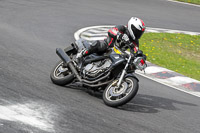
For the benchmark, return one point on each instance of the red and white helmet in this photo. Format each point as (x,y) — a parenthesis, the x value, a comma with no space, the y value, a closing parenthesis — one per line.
(136,28)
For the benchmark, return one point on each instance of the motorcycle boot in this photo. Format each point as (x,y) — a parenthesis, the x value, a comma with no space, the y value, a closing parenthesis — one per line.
(80,55)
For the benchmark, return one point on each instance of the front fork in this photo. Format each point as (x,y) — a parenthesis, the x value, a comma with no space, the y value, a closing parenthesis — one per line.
(123,72)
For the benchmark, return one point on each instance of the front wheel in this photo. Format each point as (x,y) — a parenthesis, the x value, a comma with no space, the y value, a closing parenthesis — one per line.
(116,96)
(61,75)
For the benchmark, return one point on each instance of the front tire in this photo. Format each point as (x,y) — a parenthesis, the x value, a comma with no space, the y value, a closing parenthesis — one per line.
(61,75)
(114,96)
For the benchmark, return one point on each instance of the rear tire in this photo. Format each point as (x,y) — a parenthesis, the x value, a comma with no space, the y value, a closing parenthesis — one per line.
(116,97)
(61,75)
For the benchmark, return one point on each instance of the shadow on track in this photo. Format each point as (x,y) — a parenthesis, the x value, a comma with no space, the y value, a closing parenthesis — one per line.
(152,104)
(141,103)
(91,92)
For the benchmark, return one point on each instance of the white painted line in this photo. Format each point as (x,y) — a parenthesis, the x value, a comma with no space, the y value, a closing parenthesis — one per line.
(178,80)
(105,29)
(153,31)
(93,38)
(92,34)
(149,29)
(197,94)
(29,113)
(97,31)
(76,34)
(183,3)
(154,69)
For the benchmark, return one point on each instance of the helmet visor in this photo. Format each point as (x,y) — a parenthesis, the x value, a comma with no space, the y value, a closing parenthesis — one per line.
(137,33)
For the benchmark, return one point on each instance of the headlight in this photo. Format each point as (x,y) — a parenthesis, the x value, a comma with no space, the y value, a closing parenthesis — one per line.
(140,63)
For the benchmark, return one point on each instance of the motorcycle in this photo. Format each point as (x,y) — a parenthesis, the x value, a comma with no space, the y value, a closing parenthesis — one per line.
(112,72)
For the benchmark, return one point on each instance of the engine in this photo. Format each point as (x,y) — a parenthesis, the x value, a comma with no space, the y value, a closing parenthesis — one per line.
(95,68)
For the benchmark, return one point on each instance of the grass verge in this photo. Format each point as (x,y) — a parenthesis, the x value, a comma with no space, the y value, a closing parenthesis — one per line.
(177,52)
(191,1)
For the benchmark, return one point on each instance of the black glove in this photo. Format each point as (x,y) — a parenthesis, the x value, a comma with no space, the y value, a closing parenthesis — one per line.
(139,53)
(144,57)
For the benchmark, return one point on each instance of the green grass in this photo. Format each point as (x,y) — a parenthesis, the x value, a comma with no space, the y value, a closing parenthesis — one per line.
(177,52)
(191,1)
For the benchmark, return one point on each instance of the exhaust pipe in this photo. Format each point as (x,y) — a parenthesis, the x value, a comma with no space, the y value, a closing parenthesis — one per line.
(66,59)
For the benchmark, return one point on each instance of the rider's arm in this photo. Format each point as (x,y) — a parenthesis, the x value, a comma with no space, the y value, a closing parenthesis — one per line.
(136,45)
(112,34)
(136,49)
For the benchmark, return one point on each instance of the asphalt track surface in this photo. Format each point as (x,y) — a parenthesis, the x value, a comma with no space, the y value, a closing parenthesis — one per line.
(30,30)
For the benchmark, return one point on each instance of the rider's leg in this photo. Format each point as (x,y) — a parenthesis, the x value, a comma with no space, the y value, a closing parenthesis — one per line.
(95,47)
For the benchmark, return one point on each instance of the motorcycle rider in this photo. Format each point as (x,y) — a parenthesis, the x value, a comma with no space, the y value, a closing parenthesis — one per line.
(129,33)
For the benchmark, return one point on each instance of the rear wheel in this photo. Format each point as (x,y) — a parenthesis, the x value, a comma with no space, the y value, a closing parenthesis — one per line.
(116,96)
(61,75)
